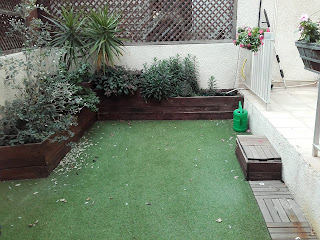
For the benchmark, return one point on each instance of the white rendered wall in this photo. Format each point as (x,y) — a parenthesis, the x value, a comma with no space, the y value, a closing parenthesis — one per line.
(6,92)
(216,59)
(284,19)
(48,63)
(224,60)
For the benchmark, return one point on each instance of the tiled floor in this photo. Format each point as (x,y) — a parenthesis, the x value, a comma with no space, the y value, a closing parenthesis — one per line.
(292,112)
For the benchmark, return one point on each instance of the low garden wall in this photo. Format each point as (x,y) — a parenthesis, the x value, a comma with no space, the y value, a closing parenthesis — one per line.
(135,107)
(38,160)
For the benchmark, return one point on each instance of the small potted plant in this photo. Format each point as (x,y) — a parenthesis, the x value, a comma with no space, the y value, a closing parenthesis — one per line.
(309,43)
(250,38)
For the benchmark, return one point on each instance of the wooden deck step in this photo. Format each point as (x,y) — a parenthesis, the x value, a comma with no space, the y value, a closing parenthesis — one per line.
(283,217)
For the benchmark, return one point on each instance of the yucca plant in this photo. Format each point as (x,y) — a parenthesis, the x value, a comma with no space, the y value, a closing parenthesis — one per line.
(101,34)
(68,34)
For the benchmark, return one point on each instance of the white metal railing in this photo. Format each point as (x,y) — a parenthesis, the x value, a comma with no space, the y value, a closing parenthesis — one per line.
(316,134)
(259,77)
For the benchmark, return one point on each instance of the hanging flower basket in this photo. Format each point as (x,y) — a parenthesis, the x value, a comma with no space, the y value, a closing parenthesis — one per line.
(310,55)
(309,43)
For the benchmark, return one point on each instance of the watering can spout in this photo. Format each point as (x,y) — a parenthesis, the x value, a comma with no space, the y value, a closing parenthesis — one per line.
(240,106)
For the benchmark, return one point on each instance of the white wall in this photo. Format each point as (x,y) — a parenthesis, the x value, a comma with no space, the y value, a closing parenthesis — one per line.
(218,59)
(6,91)
(284,19)
(224,60)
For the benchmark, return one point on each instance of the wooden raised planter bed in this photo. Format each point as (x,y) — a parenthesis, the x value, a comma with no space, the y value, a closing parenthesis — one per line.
(38,160)
(135,107)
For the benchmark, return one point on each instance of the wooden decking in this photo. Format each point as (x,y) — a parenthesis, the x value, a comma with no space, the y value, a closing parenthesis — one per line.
(284,218)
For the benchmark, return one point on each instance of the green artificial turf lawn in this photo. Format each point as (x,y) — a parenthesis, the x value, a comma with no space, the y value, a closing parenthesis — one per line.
(145,180)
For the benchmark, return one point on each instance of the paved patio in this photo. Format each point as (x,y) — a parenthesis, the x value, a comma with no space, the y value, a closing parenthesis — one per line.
(292,112)
(289,125)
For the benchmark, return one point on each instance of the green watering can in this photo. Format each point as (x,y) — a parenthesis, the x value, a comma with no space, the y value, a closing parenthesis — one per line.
(240,119)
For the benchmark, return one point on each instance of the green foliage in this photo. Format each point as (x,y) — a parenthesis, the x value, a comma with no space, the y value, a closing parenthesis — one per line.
(83,97)
(171,77)
(250,38)
(156,81)
(189,77)
(68,34)
(116,81)
(27,30)
(86,36)
(212,86)
(101,37)
(309,31)
(38,114)
(48,96)
(33,118)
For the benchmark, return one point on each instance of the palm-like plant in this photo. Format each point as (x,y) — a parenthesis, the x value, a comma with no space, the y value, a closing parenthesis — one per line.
(69,34)
(101,37)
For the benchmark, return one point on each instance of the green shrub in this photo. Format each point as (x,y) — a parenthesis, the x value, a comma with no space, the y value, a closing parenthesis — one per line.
(68,34)
(117,81)
(32,118)
(84,97)
(189,78)
(156,81)
(49,97)
(171,77)
(93,35)
(101,36)
(212,88)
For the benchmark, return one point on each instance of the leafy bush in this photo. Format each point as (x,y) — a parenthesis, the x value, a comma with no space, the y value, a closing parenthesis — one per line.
(47,101)
(84,97)
(171,77)
(212,88)
(51,108)
(189,79)
(92,35)
(33,118)
(156,81)
(101,32)
(116,81)
(68,34)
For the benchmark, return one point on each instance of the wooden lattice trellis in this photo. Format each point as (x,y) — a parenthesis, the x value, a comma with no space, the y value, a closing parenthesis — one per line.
(6,14)
(163,20)
(145,20)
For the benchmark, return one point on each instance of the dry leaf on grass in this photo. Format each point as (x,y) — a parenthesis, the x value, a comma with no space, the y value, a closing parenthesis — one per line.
(33,224)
